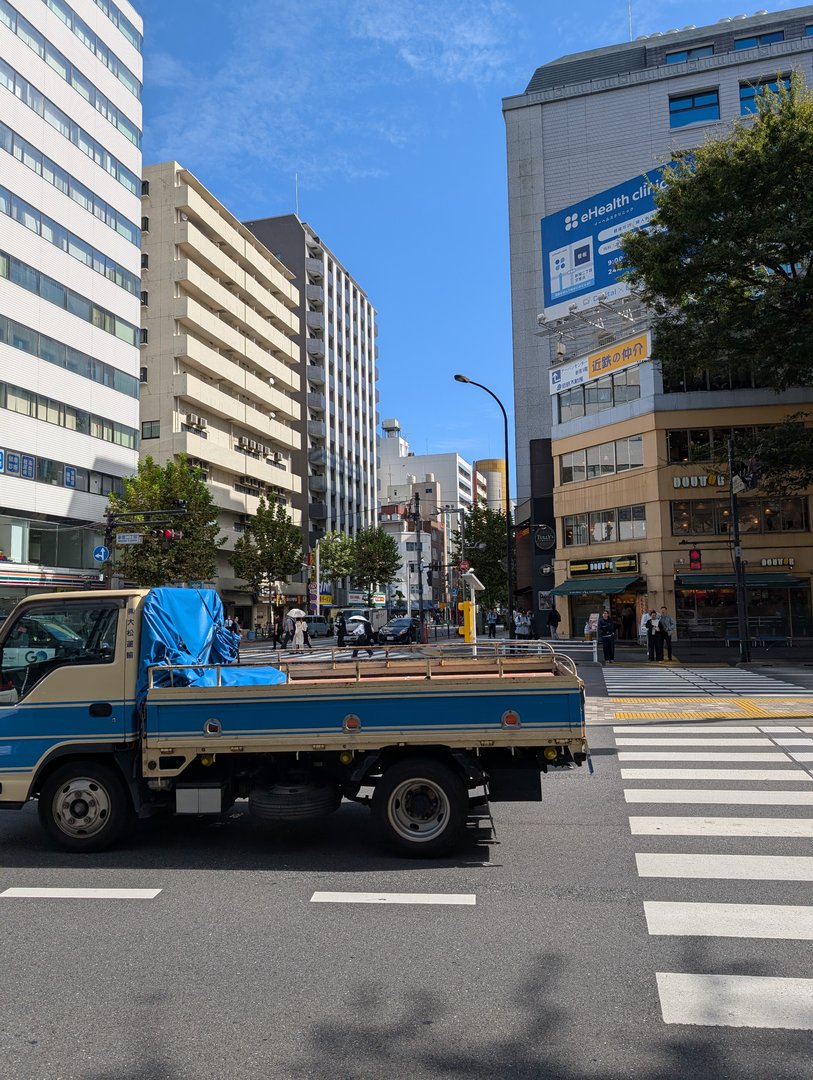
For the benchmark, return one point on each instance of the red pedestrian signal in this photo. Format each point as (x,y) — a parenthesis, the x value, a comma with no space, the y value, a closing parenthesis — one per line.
(695,559)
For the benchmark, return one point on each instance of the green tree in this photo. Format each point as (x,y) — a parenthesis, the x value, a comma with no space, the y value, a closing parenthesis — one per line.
(163,488)
(335,556)
(727,266)
(484,536)
(376,559)
(270,548)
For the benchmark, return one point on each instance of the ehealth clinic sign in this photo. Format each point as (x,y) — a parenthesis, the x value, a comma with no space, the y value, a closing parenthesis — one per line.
(581,244)
(602,362)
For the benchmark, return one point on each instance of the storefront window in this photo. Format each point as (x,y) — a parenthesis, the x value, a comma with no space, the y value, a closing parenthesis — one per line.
(603,526)
(631,523)
(677,445)
(771,613)
(703,516)
(700,444)
(750,515)
(575,530)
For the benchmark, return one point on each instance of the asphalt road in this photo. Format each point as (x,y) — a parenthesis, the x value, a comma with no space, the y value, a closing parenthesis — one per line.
(232,971)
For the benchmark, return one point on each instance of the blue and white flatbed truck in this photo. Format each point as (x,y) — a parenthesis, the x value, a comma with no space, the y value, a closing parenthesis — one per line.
(123,704)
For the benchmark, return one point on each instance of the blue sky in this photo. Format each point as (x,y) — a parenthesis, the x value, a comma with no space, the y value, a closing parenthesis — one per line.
(390,113)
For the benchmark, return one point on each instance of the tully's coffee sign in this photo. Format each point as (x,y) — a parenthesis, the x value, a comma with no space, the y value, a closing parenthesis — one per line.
(545,537)
(615,564)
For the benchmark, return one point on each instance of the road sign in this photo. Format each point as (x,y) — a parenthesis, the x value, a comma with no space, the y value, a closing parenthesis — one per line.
(101,553)
(464,565)
(128,538)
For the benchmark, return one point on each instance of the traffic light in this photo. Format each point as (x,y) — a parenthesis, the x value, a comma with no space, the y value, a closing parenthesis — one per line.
(167,537)
(695,559)
(429,573)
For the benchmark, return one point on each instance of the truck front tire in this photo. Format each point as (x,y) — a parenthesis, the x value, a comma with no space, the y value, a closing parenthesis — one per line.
(84,806)
(420,807)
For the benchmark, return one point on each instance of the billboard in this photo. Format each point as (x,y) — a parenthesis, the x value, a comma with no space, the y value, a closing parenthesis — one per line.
(580,244)
(604,361)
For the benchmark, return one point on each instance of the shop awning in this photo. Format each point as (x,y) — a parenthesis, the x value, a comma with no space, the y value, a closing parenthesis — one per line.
(727,581)
(601,586)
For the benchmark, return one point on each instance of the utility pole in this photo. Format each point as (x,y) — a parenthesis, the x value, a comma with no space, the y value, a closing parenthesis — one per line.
(739,568)
(416,517)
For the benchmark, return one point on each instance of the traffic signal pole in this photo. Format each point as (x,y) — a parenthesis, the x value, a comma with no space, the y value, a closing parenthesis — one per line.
(416,517)
(739,568)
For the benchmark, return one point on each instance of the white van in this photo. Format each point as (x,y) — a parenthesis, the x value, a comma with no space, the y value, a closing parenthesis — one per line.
(318,626)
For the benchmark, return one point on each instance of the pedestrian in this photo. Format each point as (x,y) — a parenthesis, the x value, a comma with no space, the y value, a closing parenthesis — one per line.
(341,629)
(554,618)
(666,624)
(607,633)
(237,629)
(307,633)
(299,635)
(361,631)
(491,623)
(522,626)
(654,641)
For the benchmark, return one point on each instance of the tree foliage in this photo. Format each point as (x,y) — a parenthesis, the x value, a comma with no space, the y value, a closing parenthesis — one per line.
(335,556)
(270,548)
(162,488)
(484,547)
(781,456)
(727,266)
(376,559)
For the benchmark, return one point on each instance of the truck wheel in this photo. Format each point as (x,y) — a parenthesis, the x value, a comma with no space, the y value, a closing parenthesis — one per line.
(84,806)
(420,807)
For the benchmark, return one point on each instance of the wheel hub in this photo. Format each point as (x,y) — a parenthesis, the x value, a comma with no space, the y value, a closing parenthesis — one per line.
(418,809)
(81,807)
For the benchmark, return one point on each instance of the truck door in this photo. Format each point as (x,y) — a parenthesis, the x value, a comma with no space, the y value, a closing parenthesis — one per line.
(61,687)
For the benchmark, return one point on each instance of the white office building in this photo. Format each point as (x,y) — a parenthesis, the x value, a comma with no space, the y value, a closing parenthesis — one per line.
(460,485)
(70,216)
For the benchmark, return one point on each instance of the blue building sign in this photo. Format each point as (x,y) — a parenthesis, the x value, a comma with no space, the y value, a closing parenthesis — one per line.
(581,244)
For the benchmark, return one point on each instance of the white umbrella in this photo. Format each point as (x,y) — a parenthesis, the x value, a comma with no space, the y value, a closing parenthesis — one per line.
(296,613)
(357,618)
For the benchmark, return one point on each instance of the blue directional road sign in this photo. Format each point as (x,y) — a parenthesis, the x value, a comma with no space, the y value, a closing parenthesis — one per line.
(101,553)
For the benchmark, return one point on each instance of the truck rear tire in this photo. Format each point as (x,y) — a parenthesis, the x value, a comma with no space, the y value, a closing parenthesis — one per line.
(420,807)
(84,806)
(294,802)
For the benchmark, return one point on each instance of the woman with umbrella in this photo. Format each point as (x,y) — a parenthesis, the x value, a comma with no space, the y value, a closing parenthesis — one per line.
(295,628)
(361,631)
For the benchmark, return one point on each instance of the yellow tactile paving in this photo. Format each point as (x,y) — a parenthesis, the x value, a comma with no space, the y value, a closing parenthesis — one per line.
(700,708)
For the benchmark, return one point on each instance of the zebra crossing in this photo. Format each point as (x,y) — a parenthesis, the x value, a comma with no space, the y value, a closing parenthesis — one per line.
(719,875)
(264,654)
(653,680)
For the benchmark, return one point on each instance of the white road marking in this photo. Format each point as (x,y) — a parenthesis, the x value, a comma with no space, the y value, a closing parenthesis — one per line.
(392,898)
(774,728)
(719,795)
(720,826)
(765,741)
(680,755)
(780,921)
(726,867)
(679,729)
(802,757)
(84,894)
(781,776)
(736,1000)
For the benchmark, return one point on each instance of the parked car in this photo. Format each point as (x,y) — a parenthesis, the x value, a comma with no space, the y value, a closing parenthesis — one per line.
(318,626)
(401,631)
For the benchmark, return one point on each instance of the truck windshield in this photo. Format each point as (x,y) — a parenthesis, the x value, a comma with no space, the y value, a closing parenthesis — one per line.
(40,640)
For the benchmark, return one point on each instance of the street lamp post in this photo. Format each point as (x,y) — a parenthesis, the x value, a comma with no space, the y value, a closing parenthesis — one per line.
(509,536)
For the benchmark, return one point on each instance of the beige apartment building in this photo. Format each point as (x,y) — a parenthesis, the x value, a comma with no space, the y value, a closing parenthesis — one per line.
(220,366)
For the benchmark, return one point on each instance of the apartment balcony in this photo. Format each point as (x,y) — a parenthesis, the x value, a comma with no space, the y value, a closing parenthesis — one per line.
(315,293)
(317,483)
(316,347)
(225,369)
(316,402)
(315,375)
(317,511)
(317,429)
(315,267)
(315,320)
(318,457)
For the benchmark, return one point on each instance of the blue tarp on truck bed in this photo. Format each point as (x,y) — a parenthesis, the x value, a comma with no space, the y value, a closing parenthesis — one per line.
(186,626)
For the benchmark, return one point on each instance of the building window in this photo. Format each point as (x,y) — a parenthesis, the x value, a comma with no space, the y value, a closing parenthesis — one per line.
(145,298)
(142,375)
(704,445)
(145,224)
(759,39)
(750,91)
(697,53)
(700,517)
(605,526)
(699,108)
(144,336)
(145,187)
(145,261)
(600,394)
(151,429)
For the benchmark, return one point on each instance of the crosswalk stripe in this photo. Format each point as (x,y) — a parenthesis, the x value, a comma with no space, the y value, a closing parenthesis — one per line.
(780,921)
(720,826)
(83,894)
(392,898)
(722,796)
(695,742)
(681,755)
(782,775)
(736,1000)
(726,867)
(802,757)
(681,729)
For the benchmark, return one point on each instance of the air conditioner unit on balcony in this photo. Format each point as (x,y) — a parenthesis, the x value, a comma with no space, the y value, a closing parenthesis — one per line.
(203,422)
(277,456)
(190,419)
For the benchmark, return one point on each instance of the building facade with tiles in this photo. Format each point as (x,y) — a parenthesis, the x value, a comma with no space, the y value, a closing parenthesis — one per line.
(609,455)
(70,185)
